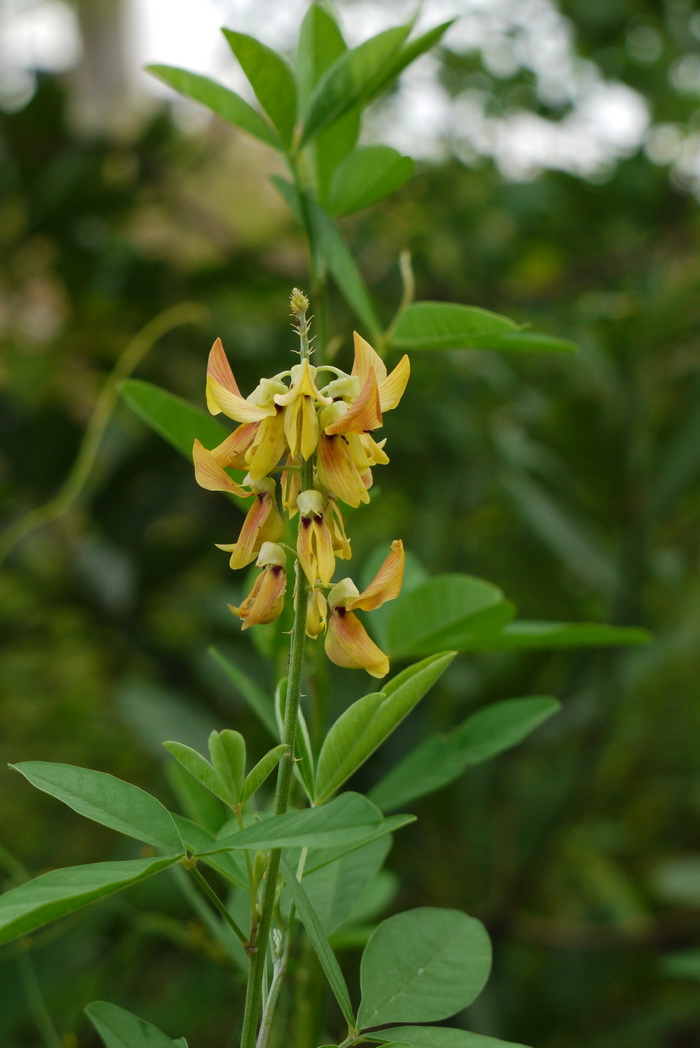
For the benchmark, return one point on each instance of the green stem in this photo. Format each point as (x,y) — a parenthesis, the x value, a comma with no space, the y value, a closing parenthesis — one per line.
(253,1002)
(37,1004)
(187,313)
(216,901)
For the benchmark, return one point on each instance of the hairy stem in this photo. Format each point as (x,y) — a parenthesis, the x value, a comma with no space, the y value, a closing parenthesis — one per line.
(258,962)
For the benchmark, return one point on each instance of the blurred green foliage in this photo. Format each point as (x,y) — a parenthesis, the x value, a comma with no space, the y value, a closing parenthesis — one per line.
(571,482)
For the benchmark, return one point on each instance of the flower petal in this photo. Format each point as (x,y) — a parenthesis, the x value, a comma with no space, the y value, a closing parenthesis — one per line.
(263,523)
(338,472)
(269,446)
(392,388)
(364,413)
(231,452)
(223,393)
(210,475)
(265,601)
(348,644)
(386,584)
(366,360)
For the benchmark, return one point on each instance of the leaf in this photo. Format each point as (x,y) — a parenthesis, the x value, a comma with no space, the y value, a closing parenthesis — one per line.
(221,100)
(262,769)
(327,242)
(320,44)
(172,418)
(445,325)
(347,819)
(349,80)
(334,888)
(319,857)
(228,756)
(319,941)
(196,802)
(367,723)
(199,768)
(442,1037)
(447,611)
(120,1029)
(365,176)
(408,53)
(441,759)
(60,892)
(524,635)
(258,701)
(303,753)
(107,800)
(421,966)
(271,79)
(527,341)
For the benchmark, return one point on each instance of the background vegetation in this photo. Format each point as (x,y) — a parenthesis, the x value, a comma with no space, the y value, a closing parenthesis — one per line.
(572,482)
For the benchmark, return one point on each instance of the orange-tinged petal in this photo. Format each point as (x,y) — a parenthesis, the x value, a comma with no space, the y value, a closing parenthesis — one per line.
(348,644)
(291,486)
(219,368)
(337,471)
(265,601)
(263,523)
(366,360)
(364,413)
(210,475)
(269,446)
(391,389)
(231,451)
(334,519)
(386,584)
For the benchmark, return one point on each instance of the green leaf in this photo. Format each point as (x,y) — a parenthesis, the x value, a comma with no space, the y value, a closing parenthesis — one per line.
(365,176)
(421,966)
(271,79)
(303,753)
(367,723)
(60,892)
(347,819)
(199,768)
(262,769)
(258,700)
(327,242)
(527,341)
(447,611)
(319,941)
(320,44)
(221,100)
(445,325)
(228,756)
(120,1029)
(334,887)
(350,80)
(319,857)
(409,53)
(442,1037)
(195,801)
(441,759)
(172,418)
(197,837)
(107,800)
(524,635)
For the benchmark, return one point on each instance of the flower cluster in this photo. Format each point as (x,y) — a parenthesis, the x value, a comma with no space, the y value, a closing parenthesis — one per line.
(315,427)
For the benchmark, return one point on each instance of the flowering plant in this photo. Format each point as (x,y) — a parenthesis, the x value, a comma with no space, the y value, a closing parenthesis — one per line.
(292,866)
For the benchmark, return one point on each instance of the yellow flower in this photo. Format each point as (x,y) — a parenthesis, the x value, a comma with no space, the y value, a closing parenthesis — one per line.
(347,642)
(265,601)
(391,387)
(300,417)
(224,395)
(263,523)
(315,539)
